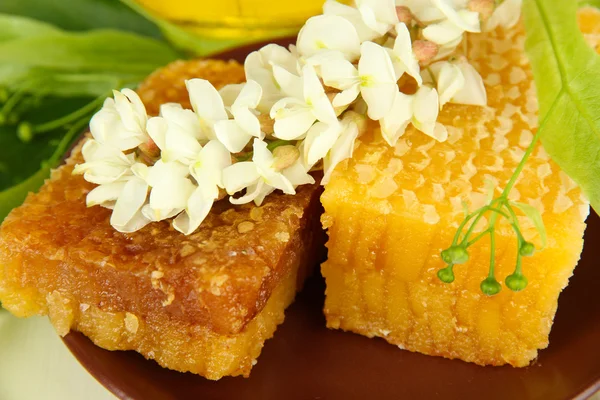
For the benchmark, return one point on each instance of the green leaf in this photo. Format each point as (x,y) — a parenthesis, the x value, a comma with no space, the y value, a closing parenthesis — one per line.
(566,73)
(534,215)
(12,27)
(82,15)
(102,50)
(182,39)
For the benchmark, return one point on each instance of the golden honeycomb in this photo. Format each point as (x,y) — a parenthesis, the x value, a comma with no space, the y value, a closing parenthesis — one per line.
(203,303)
(391,211)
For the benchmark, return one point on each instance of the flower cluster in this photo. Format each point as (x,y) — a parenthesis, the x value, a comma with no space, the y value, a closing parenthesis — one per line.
(301,109)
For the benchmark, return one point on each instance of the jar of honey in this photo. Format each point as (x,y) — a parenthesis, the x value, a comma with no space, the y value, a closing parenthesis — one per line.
(236,20)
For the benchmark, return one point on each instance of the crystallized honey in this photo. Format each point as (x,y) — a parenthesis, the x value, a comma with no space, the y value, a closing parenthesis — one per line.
(391,211)
(203,303)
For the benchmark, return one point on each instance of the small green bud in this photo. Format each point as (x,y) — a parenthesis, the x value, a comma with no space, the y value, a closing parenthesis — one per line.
(527,249)
(490,286)
(446,275)
(25,132)
(455,255)
(516,282)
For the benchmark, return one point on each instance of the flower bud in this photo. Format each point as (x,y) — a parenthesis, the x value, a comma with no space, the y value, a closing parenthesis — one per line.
(455,255)
(490,286)
(266,124)
(446,275)
(485,8)
(25,132)
(516,282)
(404,14)
(285,156)
(527,249)
(425,51)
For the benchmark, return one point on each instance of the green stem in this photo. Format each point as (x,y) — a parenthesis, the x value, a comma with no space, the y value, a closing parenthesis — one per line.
(492,246)
(536,137)
(75,115)
(478,237)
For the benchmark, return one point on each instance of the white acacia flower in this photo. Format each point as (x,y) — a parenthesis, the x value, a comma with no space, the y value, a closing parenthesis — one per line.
(403,58)
(260,177)
(332,144)
(420,109)
(259,67)
(448,20)
(121,122)
(328,32)
(125,196)
(374,79)
(127,215)
(294,116)
(170,189)
(207,104)
(236,133)
(457,82)
(341,150)
(207,171)
(507,15)
(177,133)
(371,18)
(104,163)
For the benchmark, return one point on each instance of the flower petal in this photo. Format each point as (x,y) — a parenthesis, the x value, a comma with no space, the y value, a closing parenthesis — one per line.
(506,15)
(450,82)
(182,120)
(403,55)
(126,214)
(233,137)
(319,140)
(473,91)
(212,160)
(339,74)
(378,80)
(292,118)
(290,84)
(252,193)
(207,103)
(157,130)
(464,19)
(104,194)
(328,32)
(239,176)
(298,175)
(425,108)
(343,149)
(346,97)
(394,124)
(230,92)
(444,33)
(332,7)
(199,205)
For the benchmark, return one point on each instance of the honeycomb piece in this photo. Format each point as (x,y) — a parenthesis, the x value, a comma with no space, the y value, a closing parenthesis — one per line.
(391,211)
(203,303)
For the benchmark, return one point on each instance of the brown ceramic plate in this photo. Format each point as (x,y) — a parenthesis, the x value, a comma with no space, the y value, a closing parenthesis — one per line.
(307,361)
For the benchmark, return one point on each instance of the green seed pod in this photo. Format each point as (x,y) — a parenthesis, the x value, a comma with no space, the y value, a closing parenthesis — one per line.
(527,249)
(455,255)
(516,282)
(490,286)
(446,275)
(25,132)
